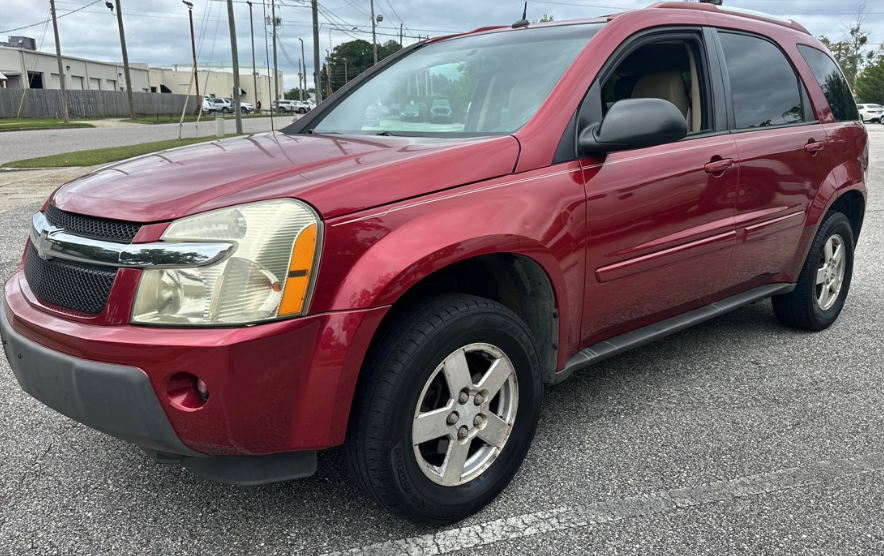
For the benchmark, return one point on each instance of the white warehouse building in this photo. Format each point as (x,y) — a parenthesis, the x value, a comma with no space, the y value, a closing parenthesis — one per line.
(28,68)
(215,82)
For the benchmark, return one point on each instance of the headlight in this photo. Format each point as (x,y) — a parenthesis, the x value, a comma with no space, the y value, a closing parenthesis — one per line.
(268,276)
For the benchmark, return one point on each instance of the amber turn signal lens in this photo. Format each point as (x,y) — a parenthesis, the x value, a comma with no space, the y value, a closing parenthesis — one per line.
(300,269)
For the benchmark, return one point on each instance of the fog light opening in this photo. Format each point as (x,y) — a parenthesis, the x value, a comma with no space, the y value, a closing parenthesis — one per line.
(187,392)
(203,389)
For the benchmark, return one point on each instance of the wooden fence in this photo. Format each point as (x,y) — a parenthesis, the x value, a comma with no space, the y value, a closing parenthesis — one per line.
(46,103)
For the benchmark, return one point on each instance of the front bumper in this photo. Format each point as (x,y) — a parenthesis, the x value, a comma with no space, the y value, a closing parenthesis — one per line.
(273,389)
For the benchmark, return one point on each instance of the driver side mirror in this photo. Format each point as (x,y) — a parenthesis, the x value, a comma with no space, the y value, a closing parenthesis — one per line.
(632,124)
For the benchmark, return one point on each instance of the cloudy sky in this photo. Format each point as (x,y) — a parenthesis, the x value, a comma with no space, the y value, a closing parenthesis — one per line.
(157,31)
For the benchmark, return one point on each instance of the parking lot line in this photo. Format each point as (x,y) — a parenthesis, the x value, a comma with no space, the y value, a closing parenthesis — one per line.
(585,515)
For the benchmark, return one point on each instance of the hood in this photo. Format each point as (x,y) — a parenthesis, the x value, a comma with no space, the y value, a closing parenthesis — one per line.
(336,175)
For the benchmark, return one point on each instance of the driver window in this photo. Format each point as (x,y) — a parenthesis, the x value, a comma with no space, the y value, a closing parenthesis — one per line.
(667,70)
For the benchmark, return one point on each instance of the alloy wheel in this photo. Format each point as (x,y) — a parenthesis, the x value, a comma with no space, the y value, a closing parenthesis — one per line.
(465,414)
(830,272)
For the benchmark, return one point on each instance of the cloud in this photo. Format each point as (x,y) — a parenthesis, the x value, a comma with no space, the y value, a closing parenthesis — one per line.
(158,33)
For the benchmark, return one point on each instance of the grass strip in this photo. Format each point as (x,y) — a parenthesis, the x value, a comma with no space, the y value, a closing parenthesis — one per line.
(10,124)
(102,156)
(190,118)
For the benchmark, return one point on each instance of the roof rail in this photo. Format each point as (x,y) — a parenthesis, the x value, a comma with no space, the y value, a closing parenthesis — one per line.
(752,14)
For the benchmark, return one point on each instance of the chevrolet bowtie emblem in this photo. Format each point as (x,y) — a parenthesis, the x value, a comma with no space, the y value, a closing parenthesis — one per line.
(42,239)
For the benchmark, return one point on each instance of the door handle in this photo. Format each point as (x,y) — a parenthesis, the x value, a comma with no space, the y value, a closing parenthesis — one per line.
(719,166)
(814,147)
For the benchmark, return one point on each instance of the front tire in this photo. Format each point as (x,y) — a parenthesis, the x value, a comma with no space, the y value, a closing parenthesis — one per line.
(448,406)
(825,278)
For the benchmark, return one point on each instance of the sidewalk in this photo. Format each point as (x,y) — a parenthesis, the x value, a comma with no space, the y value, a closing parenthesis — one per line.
(20,188)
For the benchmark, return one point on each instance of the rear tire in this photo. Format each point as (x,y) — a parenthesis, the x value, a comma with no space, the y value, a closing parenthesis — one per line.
(824,281)
(457,375)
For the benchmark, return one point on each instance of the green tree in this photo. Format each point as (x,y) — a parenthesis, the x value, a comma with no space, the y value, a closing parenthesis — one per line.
(359,56)
(853,51)
(870,85)
(544,19)
(294,93)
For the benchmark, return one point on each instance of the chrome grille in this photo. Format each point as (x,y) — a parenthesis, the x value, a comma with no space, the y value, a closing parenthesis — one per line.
(116,231)
(81,288)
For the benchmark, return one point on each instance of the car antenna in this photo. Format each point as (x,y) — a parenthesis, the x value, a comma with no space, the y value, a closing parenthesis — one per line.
(524,21)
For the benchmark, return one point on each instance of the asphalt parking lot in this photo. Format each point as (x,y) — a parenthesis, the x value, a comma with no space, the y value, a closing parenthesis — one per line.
(737,436)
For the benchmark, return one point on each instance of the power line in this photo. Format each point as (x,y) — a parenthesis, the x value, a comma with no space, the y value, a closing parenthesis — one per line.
(48,20)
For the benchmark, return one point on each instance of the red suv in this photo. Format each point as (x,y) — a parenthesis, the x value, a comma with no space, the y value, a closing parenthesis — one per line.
(406,289)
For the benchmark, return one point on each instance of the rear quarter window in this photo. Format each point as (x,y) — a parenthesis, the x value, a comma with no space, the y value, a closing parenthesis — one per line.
(832,82)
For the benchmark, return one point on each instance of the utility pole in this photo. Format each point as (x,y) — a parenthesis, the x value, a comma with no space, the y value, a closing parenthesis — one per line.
(304,60)
(254,71)
(64,96)
(346,78)
(126,63)
(316,71)
(235,59)
(401,27)
(275,64)
(196,76)
(374,36)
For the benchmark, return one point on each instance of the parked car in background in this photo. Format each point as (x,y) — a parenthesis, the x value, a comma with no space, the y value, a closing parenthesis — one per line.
(871,112)
(222,105)
(407,291)
(291,106)
(208,105)
(440,111)
(246,107)
(410,112)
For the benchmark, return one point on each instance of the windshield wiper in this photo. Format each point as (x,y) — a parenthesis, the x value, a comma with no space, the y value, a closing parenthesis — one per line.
(391,134)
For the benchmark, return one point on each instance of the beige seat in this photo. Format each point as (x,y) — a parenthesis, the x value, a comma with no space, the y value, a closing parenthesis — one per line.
(665,85)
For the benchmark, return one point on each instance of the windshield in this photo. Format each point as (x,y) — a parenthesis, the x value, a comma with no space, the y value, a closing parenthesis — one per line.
(487,84)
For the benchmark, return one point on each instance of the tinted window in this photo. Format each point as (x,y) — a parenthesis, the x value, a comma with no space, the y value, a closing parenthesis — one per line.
(764,86)
(832,83)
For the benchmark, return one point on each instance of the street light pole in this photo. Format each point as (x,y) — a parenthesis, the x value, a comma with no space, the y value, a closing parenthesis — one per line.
(234,54)
(64,99)
(196,76)
(328,65)
(126,63)
(300,76)
(304,60)
(275,64)
(254,71)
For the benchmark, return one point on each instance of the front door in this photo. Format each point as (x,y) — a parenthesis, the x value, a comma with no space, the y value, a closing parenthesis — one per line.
(659,220)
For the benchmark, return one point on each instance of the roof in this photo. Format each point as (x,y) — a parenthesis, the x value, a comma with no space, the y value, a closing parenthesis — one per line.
(739,12)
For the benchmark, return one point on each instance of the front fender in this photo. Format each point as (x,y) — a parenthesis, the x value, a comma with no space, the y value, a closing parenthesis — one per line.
(371,260)
(405,256)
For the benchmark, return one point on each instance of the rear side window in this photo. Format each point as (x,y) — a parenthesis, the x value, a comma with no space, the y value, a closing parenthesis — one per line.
(832,82)
(764,87)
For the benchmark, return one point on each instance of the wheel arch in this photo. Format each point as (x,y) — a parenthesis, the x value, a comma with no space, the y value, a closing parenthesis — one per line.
(514,280)
(853,205)
(843,191)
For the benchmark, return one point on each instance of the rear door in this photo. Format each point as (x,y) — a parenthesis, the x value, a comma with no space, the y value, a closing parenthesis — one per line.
(783,157)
